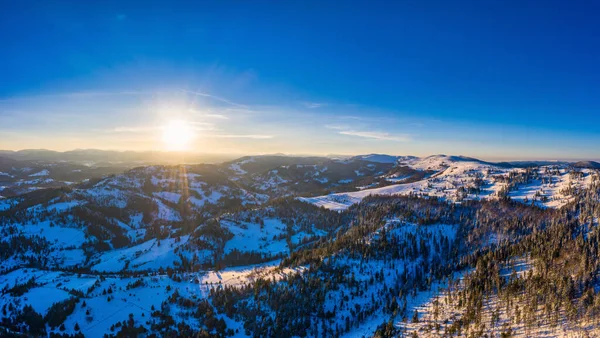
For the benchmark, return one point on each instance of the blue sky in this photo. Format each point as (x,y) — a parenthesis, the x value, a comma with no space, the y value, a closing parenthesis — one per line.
(492,79)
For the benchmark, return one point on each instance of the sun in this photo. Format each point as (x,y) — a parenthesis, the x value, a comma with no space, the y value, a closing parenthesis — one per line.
(177,135)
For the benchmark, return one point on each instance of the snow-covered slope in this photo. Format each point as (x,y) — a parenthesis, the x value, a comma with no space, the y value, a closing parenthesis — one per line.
(214,247)
(459,178)
(378,158)
(282,175)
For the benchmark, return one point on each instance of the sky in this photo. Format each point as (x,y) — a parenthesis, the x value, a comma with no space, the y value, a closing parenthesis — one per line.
(489,79)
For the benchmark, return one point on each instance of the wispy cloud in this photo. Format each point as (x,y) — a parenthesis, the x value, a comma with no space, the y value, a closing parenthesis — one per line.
(193,125)
(351,117)
(240,110)
(251,136)
(217,116)
(313,105)
(143,129)
(208,115)
(377,135)
(214,97)
(344,129)
(337,126)
(201,126)
(368,118)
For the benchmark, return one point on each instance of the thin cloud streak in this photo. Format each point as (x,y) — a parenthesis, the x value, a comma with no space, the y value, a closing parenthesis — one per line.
(133,129)
(200,124)
(337,126)
(377,135)
(217,116)
(193,125)
(313,105)
(251,136)
(210,116)
(343,129)
(217,98)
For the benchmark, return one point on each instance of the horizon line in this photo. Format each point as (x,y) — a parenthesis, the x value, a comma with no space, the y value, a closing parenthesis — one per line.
(330,155)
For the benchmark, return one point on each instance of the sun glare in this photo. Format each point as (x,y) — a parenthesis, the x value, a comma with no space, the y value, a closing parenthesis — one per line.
(177,135)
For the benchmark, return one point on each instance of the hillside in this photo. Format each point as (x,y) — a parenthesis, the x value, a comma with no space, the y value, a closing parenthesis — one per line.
(459,179)
(234,249)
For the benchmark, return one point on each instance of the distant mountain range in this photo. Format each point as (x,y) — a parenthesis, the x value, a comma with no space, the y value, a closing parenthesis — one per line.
(87,233)
(383,158)
(110,156)
(586,164)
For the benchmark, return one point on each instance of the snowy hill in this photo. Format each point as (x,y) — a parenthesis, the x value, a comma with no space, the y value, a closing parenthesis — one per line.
(460,178)
(586,165)
(285,175)
(378,158)
(177,250)
(21,177)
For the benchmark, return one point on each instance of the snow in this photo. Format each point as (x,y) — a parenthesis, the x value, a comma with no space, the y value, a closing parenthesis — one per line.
(59,236)
(251,237)
(238,276)
(135,220)
(379,158)
(449,312)
(5,204)
(68,258)
(322,180)
(236,167)
(418,301)
(455,172)
(397,179)
(436,162)
(193,176)
(166,213)
(138,301)
(150,255)
(445,175)
(52,287)
(105,309)
(19,276)
(301,236)
(342,201)
(107,195)
(337,202)
(364,272)
(213,198)
(169,196)
(42,298)
(64,206)
(35,181)
(273,181)
(44,172)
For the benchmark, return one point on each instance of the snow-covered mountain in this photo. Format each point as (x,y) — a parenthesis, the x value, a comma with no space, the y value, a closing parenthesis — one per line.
(315,246)
(284,175)
(18,177)
(457,178)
